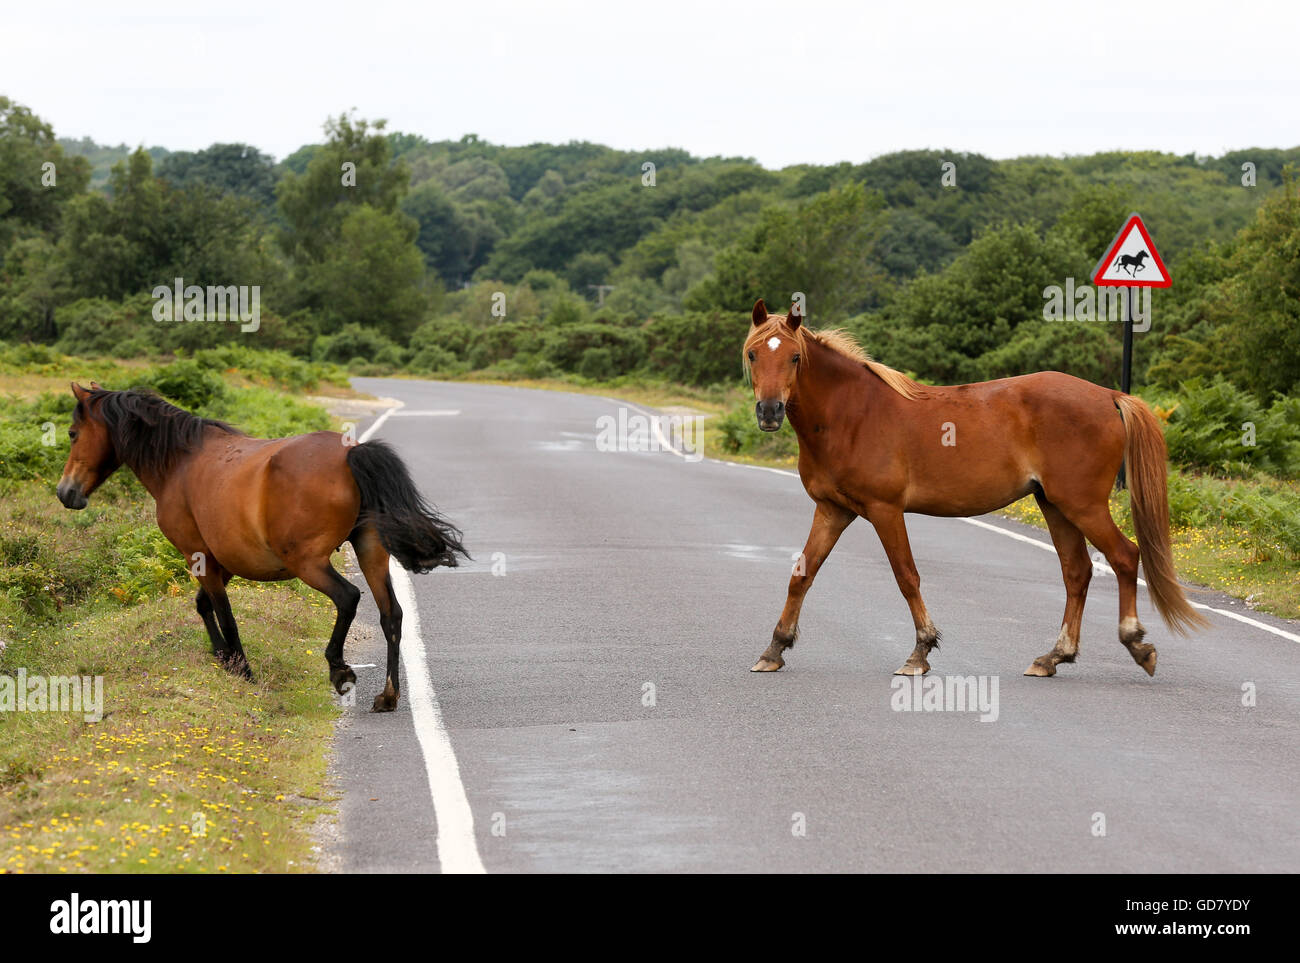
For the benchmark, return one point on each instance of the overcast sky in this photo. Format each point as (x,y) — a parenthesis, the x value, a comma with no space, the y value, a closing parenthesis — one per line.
(788,82)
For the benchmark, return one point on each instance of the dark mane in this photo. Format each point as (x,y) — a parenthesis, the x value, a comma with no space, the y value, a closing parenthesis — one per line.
(148,433)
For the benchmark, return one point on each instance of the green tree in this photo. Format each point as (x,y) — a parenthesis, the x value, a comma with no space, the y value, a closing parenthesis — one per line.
(27,196)
(824,249)
(228,169)
(353,169)
(372,275)
(1261,297)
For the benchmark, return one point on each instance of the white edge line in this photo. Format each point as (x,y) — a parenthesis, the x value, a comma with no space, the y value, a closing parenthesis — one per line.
(457,846)
(1097,566)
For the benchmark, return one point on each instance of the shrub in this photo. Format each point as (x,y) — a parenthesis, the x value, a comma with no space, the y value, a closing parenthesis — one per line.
(565,346)
(597,364)
(1210,428)
(698,348)
(186,383)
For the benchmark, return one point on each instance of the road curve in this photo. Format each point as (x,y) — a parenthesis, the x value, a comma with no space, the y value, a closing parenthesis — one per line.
(596,695)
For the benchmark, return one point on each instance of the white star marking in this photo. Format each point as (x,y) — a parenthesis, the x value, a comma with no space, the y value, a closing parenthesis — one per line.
(773,343)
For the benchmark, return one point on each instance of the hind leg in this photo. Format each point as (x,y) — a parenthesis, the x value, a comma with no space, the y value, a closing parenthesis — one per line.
(1100,529)
(322,576)
(373,558)
(1076,570)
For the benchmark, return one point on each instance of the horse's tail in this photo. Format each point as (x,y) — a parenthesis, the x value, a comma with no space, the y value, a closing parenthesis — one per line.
(412,532)
(1145,456)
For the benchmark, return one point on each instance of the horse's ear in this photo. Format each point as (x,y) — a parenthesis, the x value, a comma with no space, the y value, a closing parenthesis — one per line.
(94,386)
(795,317)
(79,392)
(760,312)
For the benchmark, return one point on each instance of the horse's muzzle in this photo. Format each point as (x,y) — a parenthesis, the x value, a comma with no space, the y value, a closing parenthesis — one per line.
(71,496)
(770,414)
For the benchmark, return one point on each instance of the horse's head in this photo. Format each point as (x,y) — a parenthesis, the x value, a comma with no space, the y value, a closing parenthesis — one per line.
(92,458)
(772,355)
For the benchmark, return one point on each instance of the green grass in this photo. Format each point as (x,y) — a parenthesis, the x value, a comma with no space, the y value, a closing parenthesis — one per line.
(191,769)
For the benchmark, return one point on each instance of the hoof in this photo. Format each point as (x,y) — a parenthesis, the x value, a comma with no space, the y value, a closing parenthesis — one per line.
(236,665)
(1148,660)
(767,665)
(386,701)
(911,668)
(343,678)
(1041,670)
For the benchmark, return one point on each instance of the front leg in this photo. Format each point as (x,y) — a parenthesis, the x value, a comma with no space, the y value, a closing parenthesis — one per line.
(214,585)
(889,524)
(829,522)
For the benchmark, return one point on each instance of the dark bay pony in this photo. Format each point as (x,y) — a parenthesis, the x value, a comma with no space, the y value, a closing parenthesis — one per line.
(876,444)
(265,510)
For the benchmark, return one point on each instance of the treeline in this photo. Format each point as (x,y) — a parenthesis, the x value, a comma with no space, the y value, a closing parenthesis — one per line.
(385,251)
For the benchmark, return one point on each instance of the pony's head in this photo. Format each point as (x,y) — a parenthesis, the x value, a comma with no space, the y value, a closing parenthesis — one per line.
(93,456)
(773,352)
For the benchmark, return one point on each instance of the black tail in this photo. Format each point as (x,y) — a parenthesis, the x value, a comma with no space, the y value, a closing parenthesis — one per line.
(412,532)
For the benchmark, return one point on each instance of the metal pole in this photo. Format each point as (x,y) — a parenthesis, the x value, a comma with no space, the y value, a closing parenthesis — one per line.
(1126,363)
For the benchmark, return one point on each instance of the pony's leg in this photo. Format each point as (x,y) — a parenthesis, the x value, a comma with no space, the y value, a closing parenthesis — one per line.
(892,530)
(214,583)
(1100,529)
(829,522)
(203,602)
(1076,570)
(345,596)
(373,558)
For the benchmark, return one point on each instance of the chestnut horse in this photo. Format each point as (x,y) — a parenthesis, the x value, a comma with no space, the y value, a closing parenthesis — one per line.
(876,444)
(265,510)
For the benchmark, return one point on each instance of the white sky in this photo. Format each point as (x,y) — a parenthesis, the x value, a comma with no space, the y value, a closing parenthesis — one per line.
(795,81)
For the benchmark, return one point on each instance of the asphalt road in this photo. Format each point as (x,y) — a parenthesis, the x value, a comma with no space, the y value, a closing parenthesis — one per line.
(627,569)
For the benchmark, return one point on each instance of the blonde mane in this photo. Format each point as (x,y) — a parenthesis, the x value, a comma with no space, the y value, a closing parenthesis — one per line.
(839,341)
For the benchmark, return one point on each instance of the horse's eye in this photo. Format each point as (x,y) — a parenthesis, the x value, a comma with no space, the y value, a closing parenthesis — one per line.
(796,359)
(751,356)
(72,433)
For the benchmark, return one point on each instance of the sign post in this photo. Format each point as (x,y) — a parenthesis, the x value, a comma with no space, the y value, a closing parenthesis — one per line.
(1125,264)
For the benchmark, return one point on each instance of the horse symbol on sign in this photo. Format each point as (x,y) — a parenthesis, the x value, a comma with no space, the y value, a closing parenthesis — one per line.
(1131,262)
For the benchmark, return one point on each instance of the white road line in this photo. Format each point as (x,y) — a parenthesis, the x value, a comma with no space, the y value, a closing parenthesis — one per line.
(427,413)
(382,418)
(1097,566)
(457,846)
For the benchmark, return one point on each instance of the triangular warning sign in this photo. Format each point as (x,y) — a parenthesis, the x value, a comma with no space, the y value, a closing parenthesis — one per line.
(1132,260)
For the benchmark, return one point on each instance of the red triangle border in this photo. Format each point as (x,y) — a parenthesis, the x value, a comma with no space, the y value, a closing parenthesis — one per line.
(1114,248)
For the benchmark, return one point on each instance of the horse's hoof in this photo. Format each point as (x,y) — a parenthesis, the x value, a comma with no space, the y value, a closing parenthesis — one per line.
(910,668)
(385,702)
(344,679)
(1148,662)
(1041,670)
(236,665)
(767,665)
